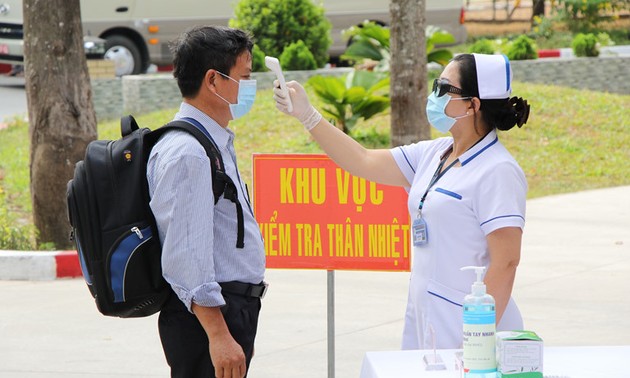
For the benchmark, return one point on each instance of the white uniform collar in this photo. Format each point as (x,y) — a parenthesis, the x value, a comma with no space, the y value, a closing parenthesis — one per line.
(478,148)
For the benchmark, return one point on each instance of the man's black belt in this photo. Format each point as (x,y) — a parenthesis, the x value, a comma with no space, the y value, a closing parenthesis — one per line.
(244,289)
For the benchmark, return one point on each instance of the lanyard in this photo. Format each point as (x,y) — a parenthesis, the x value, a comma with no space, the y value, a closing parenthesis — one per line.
(436,176)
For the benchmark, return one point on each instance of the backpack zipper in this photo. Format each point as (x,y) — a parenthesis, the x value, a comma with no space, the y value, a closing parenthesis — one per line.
(138,232)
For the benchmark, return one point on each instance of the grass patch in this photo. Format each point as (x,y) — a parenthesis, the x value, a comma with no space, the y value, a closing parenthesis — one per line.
(575,140)
(16,229)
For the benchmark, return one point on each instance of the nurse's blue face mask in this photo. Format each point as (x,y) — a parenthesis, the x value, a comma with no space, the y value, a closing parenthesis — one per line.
(437,102)
(245,98)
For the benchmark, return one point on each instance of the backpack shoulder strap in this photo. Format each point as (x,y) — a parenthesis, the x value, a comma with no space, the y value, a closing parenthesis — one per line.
(204,139)
(222,184)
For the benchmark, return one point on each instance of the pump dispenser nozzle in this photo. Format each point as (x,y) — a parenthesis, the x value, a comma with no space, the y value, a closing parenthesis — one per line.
(478,288)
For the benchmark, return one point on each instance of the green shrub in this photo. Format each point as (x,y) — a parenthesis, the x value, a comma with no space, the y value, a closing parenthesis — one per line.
(482,46)
(522,48)
(277,23)
(371,137)
(371,41)
(557,40)
(584,15)
(297,56)
(437,36)
(363,94)
(368,41)
(16,238)
(258,60)
(542,27)
(13,234)
(618,36)
(604,39)
(585,45)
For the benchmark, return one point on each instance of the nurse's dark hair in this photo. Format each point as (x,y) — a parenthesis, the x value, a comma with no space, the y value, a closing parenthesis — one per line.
(502,114)
(206,47)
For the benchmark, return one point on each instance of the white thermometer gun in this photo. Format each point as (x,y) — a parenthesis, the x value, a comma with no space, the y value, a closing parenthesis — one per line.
(274,65)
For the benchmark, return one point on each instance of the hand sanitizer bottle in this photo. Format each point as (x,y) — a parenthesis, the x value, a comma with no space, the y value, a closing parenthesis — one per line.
(479,330)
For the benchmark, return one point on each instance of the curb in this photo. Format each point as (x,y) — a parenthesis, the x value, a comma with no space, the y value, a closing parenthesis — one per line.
(556,53)
(549,53)
(567,52)
(39,265)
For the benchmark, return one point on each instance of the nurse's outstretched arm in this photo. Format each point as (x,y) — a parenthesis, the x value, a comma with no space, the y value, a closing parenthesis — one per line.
(505,253)
(376,165)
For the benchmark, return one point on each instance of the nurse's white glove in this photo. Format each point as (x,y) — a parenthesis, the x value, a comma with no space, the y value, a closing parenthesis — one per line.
(302,108)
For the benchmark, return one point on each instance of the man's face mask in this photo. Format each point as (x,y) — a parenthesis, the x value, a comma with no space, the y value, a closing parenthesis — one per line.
(245,98)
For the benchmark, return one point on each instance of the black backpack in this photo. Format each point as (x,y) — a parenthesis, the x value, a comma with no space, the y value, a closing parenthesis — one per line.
(112,224)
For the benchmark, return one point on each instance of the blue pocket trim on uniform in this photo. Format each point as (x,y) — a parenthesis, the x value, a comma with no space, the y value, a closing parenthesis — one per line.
(446,299)
(448,193)
(450,295)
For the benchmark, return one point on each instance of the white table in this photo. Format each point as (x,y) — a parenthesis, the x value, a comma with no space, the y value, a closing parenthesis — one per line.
(558,362)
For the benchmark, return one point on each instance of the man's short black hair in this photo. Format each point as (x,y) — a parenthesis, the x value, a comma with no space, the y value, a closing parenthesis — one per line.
(206,47)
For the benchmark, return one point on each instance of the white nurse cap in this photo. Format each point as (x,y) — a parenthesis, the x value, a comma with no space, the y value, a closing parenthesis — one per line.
(494,76)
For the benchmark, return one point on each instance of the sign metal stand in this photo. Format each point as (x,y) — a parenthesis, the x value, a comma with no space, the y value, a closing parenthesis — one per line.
(331,323)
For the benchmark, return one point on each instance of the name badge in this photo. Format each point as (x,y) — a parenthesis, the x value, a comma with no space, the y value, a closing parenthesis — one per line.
(419,232)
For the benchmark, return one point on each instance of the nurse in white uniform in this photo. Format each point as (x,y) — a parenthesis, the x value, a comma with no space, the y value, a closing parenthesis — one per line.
(466,193)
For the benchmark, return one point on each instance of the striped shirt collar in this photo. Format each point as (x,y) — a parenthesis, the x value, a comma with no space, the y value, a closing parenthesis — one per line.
(222,136)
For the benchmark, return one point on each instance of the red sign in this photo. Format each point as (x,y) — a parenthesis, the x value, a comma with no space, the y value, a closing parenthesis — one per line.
(313,214)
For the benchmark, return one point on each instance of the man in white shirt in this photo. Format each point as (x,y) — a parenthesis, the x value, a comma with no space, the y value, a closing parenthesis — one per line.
(213,261)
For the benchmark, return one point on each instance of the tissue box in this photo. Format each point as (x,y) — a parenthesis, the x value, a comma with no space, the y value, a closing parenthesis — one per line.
(519,354)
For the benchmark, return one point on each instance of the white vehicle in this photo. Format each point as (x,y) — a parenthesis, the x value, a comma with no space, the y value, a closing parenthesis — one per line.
(445,14)
(137,32)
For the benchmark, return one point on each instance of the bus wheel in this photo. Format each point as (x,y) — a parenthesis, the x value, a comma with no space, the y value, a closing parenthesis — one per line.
(124,53)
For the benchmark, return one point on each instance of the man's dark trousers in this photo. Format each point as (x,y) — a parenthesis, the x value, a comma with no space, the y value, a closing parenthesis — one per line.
(185,342)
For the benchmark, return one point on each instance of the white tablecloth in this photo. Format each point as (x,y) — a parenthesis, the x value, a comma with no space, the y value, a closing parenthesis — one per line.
(558,362)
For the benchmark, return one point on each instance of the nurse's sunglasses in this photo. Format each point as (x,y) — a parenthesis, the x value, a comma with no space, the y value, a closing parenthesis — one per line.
(442,87)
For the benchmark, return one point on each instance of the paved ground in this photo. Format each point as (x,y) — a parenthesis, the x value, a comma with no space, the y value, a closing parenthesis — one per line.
(572,288)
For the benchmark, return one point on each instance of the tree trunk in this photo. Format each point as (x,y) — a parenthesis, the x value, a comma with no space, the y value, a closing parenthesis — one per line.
(538,8)
(408,72)
(61,115)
